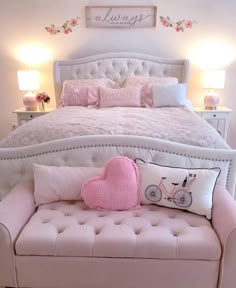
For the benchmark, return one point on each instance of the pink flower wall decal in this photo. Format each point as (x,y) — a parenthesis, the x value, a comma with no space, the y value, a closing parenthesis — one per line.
(66,28)
(69,25)
(179,26)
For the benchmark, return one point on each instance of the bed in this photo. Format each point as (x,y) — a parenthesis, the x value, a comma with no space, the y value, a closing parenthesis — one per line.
(88,136)
(184,126)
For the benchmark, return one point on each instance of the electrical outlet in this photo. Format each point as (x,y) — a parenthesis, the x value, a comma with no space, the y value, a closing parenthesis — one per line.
(13,126)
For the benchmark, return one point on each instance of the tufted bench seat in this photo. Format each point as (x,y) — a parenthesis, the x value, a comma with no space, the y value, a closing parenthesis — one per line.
(66,245)
(71,229)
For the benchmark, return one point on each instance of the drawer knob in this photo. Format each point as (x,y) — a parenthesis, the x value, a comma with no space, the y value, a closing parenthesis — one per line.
(31,116)
(214,115)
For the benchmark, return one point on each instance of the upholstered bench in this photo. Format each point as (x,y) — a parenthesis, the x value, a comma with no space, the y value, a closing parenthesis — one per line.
(66,244)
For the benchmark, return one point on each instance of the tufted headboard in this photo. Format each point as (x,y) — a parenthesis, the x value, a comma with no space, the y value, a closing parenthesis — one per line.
(117,66)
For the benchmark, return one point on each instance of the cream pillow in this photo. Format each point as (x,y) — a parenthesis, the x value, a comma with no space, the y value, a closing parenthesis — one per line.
(188,189)
(53,183)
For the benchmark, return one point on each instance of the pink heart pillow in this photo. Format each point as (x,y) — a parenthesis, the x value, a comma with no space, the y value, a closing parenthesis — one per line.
(116,189)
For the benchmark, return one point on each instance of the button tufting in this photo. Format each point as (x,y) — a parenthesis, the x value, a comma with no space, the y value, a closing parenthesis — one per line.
(97,231)
(137,215)
(45,221)
(137,231)
(154,224)
(59,231)
(175,234)
(81,222)
(67,214)
(102,215)
(117,223)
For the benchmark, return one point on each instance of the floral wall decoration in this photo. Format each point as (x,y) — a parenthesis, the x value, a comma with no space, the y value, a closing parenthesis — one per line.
(69,25)
(179,26)
(66,28)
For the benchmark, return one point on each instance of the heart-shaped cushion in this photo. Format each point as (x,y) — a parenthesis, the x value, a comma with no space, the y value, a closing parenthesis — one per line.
(116,189)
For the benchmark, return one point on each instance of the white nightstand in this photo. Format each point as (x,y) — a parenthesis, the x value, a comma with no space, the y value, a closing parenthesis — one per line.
(218,118)
(24,116)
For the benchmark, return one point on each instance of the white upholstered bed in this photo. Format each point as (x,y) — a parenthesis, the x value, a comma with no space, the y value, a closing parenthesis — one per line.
(40,141)
(177,124)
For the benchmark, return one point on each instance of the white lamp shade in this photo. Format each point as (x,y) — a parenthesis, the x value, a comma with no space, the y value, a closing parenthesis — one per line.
(214,79)
(28,80)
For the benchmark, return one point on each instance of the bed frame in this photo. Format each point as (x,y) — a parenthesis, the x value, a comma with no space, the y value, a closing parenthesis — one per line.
(16,163)
(117,66)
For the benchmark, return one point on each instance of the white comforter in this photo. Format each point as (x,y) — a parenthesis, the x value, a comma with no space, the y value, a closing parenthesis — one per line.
(173,124)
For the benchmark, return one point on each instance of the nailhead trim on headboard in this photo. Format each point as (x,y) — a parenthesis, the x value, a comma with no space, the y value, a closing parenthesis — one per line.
(115,145)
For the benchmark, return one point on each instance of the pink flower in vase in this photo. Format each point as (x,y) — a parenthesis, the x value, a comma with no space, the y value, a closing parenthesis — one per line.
(189,24)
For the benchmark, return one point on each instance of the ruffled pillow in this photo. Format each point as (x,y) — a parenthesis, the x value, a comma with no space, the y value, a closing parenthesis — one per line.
(84,92)
(147,82)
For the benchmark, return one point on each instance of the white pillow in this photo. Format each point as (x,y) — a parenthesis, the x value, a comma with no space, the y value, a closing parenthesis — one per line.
(188,189)
(169,96)
(53,183)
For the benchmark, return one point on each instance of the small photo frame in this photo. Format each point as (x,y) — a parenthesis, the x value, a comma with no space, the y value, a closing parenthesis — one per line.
(121,16)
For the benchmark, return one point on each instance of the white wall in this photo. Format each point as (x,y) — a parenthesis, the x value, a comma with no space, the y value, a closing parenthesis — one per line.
(22,23)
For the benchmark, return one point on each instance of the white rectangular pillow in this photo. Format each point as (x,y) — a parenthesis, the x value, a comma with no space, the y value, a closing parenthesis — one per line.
(53,183)
(169,96)
(188,189)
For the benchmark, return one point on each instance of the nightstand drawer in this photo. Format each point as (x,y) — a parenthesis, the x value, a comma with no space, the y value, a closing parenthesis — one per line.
(215,115)
(24,116)
(28,116)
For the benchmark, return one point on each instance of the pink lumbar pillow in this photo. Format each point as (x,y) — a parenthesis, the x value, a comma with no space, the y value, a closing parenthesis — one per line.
(123,97)
(116,189)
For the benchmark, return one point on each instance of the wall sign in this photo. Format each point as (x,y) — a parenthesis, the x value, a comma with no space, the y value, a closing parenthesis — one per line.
(121,16)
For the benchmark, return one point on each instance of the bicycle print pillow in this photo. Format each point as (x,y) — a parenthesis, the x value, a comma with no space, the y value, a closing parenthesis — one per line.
(188,189)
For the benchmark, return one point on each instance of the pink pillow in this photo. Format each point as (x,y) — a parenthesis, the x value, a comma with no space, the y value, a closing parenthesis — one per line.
(84,92)
(53,183)
(123,97)
(147,82)
(116,189)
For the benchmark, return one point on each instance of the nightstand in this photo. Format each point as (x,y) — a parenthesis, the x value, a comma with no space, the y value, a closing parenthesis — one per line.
(24,116)
(218,118)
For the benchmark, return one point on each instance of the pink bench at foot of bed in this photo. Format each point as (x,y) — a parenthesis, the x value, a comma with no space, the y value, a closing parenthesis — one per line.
(65,244)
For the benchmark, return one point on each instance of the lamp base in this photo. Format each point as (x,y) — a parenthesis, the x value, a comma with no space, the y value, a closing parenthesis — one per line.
(30,102)
(211,101)
(31,109)
(210,108)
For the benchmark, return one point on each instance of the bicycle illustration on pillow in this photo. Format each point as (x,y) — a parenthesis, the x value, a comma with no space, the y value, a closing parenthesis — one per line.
(180,193)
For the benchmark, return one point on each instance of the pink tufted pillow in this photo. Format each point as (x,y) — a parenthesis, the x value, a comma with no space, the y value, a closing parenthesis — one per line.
(53,183)
(84,92)
(147,82)
(116,189)
(123,97)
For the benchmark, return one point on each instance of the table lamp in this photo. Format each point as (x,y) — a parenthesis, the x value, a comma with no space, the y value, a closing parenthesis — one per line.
(213,79)
(28,80)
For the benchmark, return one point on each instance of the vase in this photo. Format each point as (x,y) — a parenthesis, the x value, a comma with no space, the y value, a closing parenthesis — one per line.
(41,106)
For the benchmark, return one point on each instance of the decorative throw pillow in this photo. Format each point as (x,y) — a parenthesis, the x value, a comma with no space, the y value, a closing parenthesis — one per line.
(169,96)
(53,183)
(147,82)
(188,189)
(116,189)
(123,97)
(84,92)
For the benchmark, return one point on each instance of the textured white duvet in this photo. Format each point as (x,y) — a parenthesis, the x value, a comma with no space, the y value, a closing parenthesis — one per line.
(173,124)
